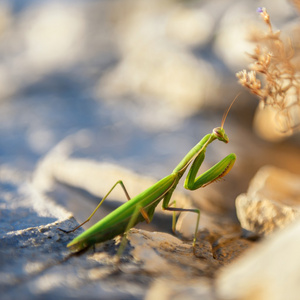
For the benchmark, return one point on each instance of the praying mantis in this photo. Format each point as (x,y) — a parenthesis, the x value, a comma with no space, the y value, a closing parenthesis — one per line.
(141,207)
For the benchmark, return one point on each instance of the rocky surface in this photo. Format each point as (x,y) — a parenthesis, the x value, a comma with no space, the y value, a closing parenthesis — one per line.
(35,262)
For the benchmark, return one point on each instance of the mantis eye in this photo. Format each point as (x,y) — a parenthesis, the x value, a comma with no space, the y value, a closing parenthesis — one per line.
(218,132)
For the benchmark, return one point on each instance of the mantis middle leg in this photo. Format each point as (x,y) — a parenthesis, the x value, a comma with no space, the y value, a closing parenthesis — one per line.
(167,206)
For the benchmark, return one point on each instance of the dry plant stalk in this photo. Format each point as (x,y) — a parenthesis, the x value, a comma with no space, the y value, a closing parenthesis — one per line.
(281,89)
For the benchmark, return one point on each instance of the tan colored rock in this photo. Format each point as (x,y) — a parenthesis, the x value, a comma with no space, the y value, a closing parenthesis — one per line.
(269,271)
(156,64)
(271,202)
(267,126)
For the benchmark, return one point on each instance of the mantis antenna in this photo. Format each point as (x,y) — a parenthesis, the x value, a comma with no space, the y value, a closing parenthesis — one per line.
(226,113)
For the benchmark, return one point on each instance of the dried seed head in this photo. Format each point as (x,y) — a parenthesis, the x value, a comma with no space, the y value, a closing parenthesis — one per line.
(249,80)
(272,59)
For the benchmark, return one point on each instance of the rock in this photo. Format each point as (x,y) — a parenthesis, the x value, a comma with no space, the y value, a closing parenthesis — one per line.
(22,206)
(185,25)
(39,45)
(174,289)
(30,241)
(233,27)
(153,250)
(272,201)
(156,65)
(228,248)
(267,126)
(268,271)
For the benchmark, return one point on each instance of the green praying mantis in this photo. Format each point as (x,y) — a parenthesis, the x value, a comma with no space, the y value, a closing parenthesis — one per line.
(141,207)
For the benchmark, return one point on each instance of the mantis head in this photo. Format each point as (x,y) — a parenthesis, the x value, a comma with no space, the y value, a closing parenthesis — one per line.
(219,132)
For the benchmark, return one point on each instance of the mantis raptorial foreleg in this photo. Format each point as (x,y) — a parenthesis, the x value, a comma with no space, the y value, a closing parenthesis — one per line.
(142,206)
(218,171)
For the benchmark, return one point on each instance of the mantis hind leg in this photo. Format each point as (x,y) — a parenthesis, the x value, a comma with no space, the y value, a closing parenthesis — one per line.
(120,182)
(100,203)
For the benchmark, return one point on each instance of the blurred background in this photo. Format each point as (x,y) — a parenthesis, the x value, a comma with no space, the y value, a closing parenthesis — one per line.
(137,83)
